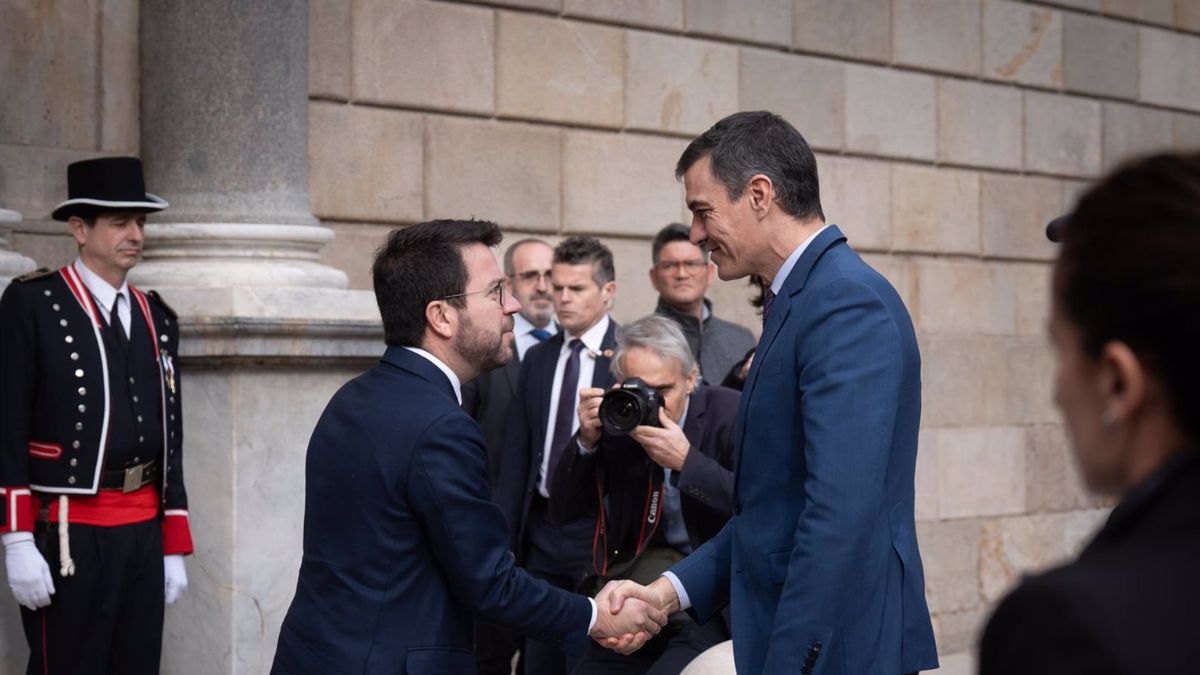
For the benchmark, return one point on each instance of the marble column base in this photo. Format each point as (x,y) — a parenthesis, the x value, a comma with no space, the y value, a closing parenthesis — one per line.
(259,365)
(11,263)
(236,254)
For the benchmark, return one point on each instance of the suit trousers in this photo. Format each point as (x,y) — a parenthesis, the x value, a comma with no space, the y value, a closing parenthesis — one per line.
(495,646)
(560,555)
(107,618)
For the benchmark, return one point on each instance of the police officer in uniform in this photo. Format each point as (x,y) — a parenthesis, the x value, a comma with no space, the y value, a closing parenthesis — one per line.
(93,512)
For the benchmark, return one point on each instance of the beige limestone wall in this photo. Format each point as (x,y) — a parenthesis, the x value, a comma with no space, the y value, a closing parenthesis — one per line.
(948,133)
(69,77)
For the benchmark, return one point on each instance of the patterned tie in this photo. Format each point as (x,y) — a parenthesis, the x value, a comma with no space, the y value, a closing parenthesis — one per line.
(540,334)
(566,408)
(768,300)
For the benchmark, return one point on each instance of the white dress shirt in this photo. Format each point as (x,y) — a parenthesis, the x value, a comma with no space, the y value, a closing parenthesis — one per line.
(592,340)
(454,382)
(523,330)
(786,269)
(105,295)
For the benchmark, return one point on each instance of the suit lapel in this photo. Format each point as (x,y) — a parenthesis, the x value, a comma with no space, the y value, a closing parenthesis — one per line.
(792,286)
(693,426)
(512,371)
(602,373)
(541,367)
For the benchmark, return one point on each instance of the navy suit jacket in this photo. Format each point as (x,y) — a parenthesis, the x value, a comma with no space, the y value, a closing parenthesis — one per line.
(819,562)
(403,546)
(525,440)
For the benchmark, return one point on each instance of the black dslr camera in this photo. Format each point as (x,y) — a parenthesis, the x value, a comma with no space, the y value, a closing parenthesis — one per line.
(632,404)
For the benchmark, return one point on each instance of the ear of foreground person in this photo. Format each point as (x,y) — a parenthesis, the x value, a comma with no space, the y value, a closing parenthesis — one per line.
(1125,324)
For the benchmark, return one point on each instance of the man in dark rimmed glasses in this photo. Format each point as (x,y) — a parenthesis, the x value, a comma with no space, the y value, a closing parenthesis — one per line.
(403,546)
(681,273)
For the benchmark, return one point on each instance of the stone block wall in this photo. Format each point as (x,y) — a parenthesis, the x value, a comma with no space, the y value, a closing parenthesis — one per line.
(947,131)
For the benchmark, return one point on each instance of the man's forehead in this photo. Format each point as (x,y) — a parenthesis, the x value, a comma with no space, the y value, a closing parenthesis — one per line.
(681,249)
(532,255)
(568,270)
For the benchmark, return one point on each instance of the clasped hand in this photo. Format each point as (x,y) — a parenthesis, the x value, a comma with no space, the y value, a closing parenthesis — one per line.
(627,616)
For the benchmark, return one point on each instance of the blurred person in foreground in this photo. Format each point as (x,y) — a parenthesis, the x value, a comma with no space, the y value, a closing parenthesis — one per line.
(1125,323)
(655,493)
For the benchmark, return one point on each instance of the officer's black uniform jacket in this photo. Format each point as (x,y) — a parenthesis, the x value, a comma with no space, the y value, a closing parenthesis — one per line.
(55,397)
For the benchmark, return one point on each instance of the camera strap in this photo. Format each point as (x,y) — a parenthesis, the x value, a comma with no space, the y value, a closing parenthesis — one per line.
(652,513)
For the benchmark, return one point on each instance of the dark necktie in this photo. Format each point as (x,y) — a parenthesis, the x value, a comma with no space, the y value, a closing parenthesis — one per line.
(114,322)
(768,300)
(566,408)
(540,334)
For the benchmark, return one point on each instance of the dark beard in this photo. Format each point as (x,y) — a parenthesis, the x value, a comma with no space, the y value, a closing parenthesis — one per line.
(479,349)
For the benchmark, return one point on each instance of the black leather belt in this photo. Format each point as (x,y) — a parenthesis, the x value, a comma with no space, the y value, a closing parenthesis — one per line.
(130,478)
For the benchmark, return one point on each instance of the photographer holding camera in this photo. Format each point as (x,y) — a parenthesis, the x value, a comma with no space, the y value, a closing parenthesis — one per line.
(652,462)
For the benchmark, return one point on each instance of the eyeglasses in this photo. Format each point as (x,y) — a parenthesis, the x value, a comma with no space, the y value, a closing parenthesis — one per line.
(500,289)
(534,276)
(689,266)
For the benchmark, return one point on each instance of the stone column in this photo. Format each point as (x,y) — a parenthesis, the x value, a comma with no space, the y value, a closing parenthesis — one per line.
(224,120)
(11,263)
(267,333)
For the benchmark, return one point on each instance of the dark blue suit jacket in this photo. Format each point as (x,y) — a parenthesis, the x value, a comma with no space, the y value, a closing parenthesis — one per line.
(403,546)
(820,562)
(526,437)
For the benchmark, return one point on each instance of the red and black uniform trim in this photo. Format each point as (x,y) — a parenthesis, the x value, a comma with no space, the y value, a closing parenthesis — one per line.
(56,403)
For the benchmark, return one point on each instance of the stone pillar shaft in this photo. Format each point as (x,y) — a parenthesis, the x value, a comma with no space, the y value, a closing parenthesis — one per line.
(224,123)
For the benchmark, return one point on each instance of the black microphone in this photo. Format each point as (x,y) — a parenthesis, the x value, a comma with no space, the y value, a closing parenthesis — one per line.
(1054,229)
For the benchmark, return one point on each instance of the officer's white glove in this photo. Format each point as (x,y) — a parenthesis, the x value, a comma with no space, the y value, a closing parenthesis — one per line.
(28,574)
(174,577)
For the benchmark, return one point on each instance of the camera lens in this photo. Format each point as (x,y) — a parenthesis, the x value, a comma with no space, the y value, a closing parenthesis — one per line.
(620,412)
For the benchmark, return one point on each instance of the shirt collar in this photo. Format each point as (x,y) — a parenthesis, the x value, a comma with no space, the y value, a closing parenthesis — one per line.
(593,338)
(100,289)
(521,326)
(687,403)
(454,382)
(782,275)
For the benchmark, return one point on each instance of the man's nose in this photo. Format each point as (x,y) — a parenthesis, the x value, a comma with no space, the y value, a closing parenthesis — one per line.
(697,234)
(511,304)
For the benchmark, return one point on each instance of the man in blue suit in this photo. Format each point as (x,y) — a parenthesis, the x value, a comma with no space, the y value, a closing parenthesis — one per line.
(819,563)
(403,547)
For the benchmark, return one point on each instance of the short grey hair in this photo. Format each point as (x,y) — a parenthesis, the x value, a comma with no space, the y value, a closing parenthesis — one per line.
(656,334)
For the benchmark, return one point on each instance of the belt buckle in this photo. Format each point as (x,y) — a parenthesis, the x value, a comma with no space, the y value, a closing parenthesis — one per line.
(133,478)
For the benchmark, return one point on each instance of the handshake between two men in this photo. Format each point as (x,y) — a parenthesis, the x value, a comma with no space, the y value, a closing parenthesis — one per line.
(629,614)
